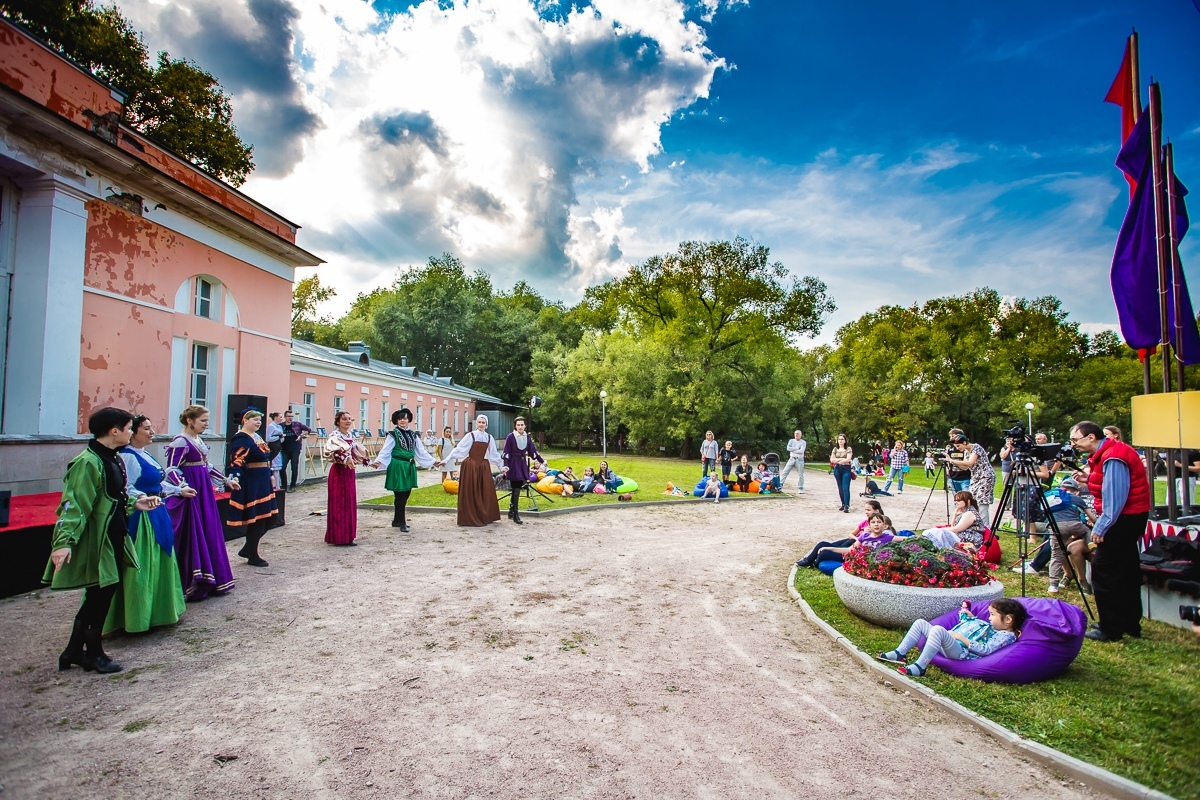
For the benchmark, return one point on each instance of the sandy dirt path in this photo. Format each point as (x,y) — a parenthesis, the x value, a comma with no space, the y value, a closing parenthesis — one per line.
(634,653)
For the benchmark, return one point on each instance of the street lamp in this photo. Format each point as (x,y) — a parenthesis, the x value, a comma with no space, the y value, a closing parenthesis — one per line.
(603,424)
(1029,411)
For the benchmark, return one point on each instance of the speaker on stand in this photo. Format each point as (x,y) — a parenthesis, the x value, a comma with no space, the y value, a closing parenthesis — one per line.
(236,405)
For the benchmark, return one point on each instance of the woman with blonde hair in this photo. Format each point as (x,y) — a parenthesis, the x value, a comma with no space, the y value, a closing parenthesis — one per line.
(199,533)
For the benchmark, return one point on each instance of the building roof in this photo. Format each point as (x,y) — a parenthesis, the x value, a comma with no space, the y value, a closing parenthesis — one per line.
(387,372)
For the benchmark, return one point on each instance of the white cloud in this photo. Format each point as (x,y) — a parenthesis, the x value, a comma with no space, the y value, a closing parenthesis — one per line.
(466,128)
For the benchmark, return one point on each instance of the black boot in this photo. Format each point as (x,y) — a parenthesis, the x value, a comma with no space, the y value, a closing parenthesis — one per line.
(250,550)
(74,652)
(94,658)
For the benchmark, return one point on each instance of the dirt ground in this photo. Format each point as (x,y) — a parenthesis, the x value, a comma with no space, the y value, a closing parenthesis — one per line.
(624,653)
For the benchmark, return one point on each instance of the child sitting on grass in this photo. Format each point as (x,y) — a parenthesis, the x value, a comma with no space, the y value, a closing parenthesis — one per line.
(970,638)
(713,487)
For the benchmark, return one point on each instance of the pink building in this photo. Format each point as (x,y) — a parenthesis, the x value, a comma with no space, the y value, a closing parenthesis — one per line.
(325,381)
(128,276)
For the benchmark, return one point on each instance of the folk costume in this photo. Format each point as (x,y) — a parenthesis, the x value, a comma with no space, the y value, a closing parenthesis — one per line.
(477,504)
(252,505)
(151,594)
(518,449)
(92,520)
(341,520)
(402,453)
(199,533)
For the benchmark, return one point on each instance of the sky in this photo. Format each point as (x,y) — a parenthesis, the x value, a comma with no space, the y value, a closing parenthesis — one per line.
(899,152)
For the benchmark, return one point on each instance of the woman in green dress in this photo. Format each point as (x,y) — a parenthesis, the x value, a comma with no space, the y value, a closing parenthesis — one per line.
(151,594)
(401,454)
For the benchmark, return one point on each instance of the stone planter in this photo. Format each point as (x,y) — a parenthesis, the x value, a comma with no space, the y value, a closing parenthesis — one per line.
(895,606)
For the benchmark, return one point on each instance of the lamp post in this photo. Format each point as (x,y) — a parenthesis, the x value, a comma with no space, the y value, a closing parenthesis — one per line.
(1029,411)
(603,424)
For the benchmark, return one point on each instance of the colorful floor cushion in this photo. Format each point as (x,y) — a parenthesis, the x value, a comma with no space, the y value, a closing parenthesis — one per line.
(699,490)
(1050,640)
(991,553)
(626,485)
(450,486)
(829,567)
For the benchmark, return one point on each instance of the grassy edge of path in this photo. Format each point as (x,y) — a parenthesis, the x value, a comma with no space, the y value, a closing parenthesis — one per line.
(1132,708)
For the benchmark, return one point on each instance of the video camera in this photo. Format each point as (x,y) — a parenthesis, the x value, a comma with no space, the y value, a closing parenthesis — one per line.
(1025,449)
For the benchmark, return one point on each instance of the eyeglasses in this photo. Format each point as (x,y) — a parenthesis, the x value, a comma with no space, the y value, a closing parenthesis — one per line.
(1078,439)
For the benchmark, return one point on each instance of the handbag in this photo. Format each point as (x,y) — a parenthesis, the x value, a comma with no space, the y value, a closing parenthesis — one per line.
(905,469)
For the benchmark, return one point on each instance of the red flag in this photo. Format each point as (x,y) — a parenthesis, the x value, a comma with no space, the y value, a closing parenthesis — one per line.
(1121,94)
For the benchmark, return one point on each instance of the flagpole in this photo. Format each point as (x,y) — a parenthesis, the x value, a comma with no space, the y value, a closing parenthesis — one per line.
(1177,305)
(1135,91)
(1162,248)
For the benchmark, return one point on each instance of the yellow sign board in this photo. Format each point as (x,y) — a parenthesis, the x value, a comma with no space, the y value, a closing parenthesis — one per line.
(1169,420)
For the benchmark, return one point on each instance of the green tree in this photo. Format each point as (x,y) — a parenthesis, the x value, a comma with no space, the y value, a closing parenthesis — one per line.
(307,294)
(175,104)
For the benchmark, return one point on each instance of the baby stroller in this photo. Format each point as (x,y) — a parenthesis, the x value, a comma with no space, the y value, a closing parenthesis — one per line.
(772,462)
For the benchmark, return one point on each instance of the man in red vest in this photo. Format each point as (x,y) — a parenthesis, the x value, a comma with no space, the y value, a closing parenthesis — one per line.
(1122,498)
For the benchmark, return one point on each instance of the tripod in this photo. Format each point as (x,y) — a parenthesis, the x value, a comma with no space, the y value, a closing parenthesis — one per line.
(1024,477)
(528,491)
(941,471)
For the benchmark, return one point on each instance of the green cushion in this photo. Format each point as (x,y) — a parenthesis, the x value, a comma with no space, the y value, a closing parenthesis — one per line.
(627,485)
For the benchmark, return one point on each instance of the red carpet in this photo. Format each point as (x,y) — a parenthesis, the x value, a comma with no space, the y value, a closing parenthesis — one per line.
(32,511)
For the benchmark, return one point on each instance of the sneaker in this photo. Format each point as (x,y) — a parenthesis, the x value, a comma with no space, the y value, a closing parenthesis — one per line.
(1026,568)
(716,500)
(1053,588)
(799,491)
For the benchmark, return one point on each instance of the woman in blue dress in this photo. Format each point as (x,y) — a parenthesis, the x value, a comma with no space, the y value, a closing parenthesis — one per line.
(252,502)
(151,593)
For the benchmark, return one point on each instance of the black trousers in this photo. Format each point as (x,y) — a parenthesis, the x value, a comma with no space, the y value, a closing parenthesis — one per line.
(1117,576)
(291,457)
(400,502)
(811,560)
(517,488)
(96,602)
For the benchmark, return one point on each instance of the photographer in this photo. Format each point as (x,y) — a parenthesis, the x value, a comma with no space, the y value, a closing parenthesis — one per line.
(1121,495)
(974,458)
(960,478)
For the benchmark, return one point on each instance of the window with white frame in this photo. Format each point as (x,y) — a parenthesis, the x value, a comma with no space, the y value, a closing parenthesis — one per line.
(339,402)
(418,419)
(200,374)
(306,410)
(364,418)
(384,422)
(432,418)
(205,297)
(456,428)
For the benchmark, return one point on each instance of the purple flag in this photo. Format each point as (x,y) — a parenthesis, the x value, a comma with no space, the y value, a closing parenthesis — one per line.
(1188,346)
(1134,274)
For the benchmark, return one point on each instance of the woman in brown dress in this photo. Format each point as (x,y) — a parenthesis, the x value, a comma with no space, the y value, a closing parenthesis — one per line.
(477,504)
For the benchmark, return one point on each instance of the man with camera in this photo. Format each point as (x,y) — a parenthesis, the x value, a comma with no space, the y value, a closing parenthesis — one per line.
(1121,495)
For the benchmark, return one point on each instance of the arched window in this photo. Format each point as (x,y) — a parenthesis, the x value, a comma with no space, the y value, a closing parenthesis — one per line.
(205,296)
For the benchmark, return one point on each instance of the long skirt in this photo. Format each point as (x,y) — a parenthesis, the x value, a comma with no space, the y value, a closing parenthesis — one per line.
(151,595)
(477,503)
(200,538)
(341,521)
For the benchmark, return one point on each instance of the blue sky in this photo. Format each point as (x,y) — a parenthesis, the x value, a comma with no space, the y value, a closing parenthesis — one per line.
(898,151)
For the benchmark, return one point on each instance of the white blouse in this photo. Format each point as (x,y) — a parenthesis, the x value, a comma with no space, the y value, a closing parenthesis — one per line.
(133,471)
(420,454)
(463,448)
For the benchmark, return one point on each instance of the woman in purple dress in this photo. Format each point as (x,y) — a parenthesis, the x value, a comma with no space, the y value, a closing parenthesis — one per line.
(199,534)
(344,453)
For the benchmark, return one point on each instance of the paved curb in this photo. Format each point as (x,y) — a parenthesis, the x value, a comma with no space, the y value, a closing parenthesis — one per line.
(1048,756)
(550,512)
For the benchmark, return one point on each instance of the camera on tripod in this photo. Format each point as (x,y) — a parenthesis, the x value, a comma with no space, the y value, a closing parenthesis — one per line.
(1025,449)
(1190,614)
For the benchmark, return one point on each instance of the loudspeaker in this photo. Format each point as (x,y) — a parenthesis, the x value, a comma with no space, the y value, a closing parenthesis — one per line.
(237,405)
(5,505)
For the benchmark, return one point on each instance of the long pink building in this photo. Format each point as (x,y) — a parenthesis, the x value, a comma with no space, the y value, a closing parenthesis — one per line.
(128,276)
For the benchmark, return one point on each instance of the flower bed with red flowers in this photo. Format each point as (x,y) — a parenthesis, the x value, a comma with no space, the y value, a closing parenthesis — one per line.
(916,561)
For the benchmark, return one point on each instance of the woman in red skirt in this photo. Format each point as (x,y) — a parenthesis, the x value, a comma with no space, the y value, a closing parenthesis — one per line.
(343,452)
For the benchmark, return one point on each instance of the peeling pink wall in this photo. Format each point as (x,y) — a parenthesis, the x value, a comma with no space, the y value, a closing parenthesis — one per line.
(125,357)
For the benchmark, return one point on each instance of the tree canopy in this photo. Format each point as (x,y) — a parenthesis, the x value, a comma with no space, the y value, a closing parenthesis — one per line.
(173,102)
(709,337)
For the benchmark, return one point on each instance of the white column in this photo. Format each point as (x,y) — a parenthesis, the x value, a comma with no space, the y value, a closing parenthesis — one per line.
(42,387)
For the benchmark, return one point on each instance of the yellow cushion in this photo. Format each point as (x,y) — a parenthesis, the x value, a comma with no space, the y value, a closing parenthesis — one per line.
(450,486)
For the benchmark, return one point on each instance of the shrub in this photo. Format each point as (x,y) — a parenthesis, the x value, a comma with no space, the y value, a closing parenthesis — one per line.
(916,561)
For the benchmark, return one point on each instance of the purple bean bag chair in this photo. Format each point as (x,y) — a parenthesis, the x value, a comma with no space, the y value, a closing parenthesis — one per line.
(1050,639)
(699,490)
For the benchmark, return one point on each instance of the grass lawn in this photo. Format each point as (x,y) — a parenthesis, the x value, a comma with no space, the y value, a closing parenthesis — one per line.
(1132,708)
(652,475)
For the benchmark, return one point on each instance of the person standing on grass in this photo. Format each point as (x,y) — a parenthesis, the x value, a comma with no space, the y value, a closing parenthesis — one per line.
(930,465)
(91,545)
(402,453)
(1122,497)
(708,452)
(898,462)
(841,458)
(726,457)
(795,450)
